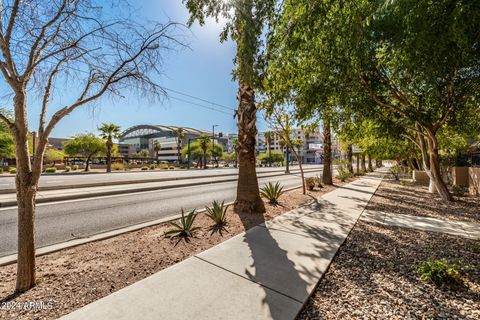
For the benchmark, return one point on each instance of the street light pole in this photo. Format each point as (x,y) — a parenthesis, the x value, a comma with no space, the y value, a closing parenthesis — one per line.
(213,141)
(287,168)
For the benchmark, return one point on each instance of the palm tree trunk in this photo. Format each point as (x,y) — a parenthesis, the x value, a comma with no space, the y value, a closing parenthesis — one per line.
(357,156)
(327,151)
(109,154)
(248,195)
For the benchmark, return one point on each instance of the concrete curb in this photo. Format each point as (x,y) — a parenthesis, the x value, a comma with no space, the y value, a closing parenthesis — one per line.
(10,259)
(12,203)
(123,182)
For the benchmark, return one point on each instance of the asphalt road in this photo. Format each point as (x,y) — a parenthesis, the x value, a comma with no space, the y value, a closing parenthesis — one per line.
(57,221)
(7,181)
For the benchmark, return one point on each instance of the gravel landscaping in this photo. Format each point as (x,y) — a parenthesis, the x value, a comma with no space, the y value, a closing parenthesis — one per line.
(72,278)
(374,273)
(416,200)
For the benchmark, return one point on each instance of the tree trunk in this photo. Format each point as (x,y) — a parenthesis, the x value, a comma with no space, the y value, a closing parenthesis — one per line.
(327,151)
(435,167)
(26,184)
(302,175)
(362,162)
(248,194)
(179,151)
(350,159)
(87,165)
(109,155)
(204,160)
(370,165)
(357,156)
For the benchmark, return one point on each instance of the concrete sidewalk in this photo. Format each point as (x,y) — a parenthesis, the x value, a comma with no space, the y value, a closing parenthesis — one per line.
(464,229)
(267,272)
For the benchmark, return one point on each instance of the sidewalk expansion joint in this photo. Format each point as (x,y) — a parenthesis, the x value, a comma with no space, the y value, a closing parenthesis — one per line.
(260,284)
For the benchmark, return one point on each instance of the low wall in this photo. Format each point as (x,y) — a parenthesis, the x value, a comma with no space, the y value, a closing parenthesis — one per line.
(474,181)
(420,177)
(460,176)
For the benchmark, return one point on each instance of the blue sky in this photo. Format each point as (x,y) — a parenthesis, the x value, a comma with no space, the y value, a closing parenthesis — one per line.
(203,71)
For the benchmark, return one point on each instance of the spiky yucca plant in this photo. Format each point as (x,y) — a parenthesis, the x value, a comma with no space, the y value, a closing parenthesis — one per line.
(218,213)
(185,228)
(272,192)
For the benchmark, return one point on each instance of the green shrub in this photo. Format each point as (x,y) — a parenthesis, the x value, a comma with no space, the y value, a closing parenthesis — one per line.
(343,175)
(439,272)
(51,170)
(184,227)
(218,213)
(117,166)
(318,181)
(1,170)
(171,168)
(272,192)
(74,167)
(12,170)
(163,166)
(395,171)
(458,190)
(68,169)
(144,168)
(152,167)
(310,183)
(404,182)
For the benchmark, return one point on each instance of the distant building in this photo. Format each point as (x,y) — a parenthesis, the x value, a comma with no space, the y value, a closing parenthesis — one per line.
(311,151)
(56,143)
(143,137)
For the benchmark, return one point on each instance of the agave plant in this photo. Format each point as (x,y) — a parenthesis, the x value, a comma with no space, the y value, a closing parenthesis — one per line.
(184,228)
(272,192)
(218,213)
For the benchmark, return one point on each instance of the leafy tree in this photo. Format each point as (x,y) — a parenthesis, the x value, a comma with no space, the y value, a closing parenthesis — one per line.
(279,119)
(198,153)
(413,60)
(271,157)
(45,43)
(85,145)
(7,148)
(144,153)
(109,131)
(246,20)
(52,155)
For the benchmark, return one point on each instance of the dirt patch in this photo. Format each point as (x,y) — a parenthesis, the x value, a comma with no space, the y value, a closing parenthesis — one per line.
(416,200)
(72,278)
(374,273)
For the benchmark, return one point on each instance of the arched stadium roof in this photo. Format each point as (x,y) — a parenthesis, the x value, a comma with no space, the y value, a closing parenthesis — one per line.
(146,130)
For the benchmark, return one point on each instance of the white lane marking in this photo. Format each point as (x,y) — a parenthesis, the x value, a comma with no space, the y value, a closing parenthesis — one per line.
(55,181)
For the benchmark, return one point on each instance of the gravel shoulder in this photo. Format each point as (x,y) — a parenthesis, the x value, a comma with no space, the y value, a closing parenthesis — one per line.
(374,273)
(72,278)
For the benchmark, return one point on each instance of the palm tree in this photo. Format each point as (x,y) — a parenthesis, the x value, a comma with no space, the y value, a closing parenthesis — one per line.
(109,131)
(204,142)
(180,135)
(235,149)
(268,138)
(157,147)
